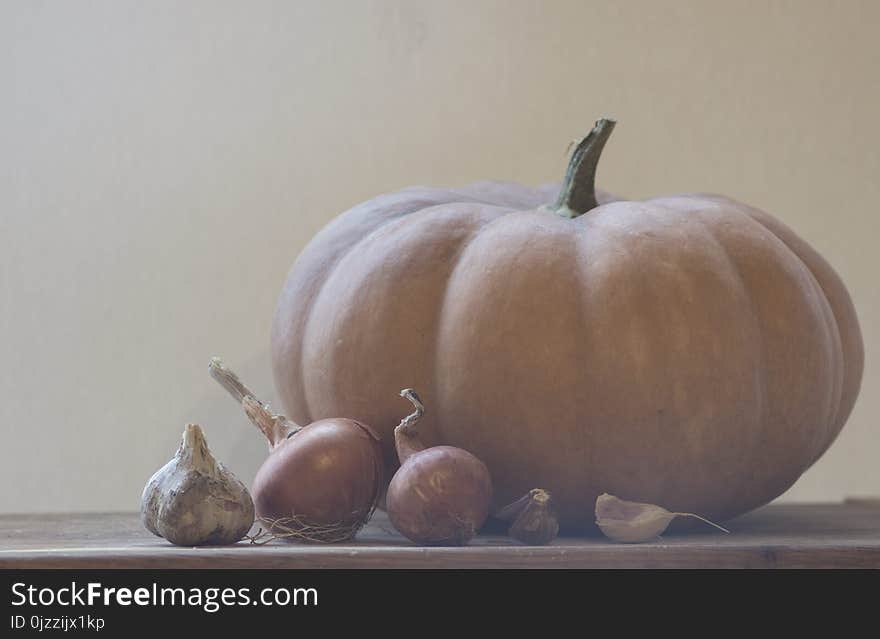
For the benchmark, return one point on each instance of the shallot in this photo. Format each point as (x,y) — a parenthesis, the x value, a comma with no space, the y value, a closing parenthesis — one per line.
(533,518)
(439,495)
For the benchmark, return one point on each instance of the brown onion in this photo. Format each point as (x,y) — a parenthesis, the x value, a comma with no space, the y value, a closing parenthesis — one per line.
(320,481)
(439,495)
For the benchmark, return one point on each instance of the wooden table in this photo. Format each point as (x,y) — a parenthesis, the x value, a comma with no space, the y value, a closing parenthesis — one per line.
(845,535)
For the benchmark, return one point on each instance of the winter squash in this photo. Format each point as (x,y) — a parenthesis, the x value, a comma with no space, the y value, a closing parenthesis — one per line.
(688,351)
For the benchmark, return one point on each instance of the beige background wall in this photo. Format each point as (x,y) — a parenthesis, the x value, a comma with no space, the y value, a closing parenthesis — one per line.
(162,163)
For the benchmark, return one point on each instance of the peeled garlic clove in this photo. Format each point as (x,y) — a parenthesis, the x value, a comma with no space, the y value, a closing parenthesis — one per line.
(193,500)
(634,522)
(534,518)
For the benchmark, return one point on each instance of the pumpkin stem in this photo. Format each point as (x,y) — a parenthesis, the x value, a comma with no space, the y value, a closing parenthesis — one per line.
(578,193)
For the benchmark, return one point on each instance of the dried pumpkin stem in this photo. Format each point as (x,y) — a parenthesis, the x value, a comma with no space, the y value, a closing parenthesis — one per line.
(578,193)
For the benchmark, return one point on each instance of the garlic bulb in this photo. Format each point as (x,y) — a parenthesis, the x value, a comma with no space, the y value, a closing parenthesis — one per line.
(193,500)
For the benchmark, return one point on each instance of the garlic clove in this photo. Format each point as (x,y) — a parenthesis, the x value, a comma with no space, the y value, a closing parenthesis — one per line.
(629,521)
(533,516)
(194,500)
(635,522)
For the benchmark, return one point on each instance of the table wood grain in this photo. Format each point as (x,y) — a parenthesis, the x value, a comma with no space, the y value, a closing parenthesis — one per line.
(844,535)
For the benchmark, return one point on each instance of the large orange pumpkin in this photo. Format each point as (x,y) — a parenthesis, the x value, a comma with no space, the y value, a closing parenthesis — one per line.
(688,351)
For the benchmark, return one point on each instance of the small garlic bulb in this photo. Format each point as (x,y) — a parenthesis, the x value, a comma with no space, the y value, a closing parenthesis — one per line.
(193,500)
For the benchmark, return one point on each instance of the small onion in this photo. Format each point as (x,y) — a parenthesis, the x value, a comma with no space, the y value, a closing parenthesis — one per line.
(439,495)
(320,482)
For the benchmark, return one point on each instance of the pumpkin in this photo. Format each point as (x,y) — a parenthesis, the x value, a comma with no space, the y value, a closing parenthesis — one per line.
(688,351)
